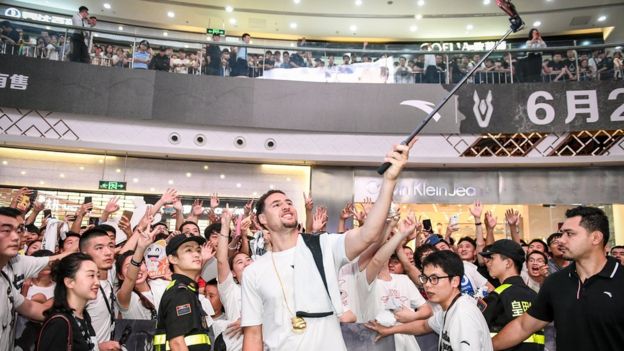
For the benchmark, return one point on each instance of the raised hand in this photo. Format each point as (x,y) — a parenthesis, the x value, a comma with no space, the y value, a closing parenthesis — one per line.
(512,217)
(177,204)
(476,209)
(147,219)
(367,205)
(398,157)
(320,219)
(309,203)
(248,207)
(18,194)
(408,226)
(112,205)
(198,208)
(146,238)
(169,196)
(124,225)
(360,216)
(207,251)
(347,211)
(214,201)
(83,209)
(490,220)
(226,217)
(38,206)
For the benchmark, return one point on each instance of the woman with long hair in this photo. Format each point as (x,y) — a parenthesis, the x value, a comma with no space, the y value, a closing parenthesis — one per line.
(67,325)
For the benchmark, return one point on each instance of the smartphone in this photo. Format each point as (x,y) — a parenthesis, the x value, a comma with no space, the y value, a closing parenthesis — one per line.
(88,200)
(427,226)
(94,221)
(47,213)
(127,214)
(454,220)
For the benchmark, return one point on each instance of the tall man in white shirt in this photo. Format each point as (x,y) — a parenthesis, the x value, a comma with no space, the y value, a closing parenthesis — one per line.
(290,296)
(80,51)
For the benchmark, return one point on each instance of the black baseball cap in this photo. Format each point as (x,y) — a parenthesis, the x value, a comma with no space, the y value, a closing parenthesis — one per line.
(180,239)
(507,248)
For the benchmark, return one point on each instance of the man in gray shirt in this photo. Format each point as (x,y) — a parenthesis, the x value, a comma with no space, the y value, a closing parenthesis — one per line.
(79,49)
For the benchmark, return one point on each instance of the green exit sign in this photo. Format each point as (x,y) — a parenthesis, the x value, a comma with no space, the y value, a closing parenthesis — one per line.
(111,185)
(213,31)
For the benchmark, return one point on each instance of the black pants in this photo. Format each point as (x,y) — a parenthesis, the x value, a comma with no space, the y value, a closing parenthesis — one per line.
(79,50)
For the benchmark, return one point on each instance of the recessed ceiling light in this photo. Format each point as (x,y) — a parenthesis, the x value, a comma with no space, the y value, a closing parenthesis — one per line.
(120,27)
(222,176)
(418,16)
(152,189)
(421,2)
(107,6)
(470,27)
(537,24)
(81,168)
(118,170)
(186,46)
(206,167)
(170,182)
(232,21)
(271,186)
(135,180)
(602,18)
(4,163)
(100,161)
(353,28)
(170,14)
(165,34)
(189,174)
(41,182)
(296,1)
(229,9)
(23,172)
(413,28)
(62,175)
(293,25)
(238,185)
(358,2)
(48,27)
(486,2)
(255,193)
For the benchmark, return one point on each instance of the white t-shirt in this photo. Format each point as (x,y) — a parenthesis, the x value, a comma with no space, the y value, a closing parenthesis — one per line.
(464,329)
(348,288)
(263,304)
(23,267)
(230,295)
(135,308)
(99,313)
(398,292)
(472,281)
(209,271)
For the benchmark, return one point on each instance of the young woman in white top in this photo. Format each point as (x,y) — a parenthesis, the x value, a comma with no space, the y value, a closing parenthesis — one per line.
(134,297)
(229,275)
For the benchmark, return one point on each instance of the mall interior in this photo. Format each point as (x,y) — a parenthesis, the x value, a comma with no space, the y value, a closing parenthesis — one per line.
(68,127)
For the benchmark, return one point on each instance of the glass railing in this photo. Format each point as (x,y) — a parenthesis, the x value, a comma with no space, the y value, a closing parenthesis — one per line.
(312,61)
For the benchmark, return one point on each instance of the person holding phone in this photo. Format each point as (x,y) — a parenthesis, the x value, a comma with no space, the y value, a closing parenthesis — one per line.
(68,324)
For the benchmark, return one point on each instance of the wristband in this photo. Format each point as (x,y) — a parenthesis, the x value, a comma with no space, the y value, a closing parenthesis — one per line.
(478,223)
(135,263)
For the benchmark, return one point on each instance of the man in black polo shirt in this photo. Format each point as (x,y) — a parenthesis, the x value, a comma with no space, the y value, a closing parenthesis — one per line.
(585,299)
(513,297)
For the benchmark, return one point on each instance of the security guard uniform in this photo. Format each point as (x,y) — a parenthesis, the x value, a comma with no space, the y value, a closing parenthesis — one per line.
(507,302)
(180,312)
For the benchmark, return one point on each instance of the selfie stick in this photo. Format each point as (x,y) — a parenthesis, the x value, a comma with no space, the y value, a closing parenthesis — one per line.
(516,25)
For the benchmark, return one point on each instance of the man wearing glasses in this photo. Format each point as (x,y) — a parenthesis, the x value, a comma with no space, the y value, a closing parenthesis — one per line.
(459,323)
(11,301)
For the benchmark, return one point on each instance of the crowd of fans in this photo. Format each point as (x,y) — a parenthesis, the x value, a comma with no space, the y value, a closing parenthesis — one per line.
(220,60)
(92,274)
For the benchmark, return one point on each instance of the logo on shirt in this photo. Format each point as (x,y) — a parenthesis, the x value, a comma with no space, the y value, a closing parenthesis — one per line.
(183,310)
(608,294)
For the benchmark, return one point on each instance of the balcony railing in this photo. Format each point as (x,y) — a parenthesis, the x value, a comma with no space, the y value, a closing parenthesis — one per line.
(321,64)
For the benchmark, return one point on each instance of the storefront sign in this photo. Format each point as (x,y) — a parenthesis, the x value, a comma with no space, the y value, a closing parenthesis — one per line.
(16,81)
(36,16)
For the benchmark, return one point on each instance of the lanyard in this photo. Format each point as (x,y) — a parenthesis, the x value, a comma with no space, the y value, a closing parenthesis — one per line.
(11,301)
(110,307)
(444,321)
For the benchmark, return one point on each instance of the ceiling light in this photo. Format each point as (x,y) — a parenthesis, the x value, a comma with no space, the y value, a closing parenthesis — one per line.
(107,6)
(293,25)
(222,176)
(41,182)
(170,182)
(418,16)
(288,179)
(100,161)
(23,172)
(170,14)
(413,28)
(296,1)
(62,175)
(4,163)
(229,9)
(358,2)
(271,186)
(486,2)
(353,28)
(602,18)
(81,168)
(135,180)
(48,27)
(206,167)
(421,2)
(232,21)
(537,24)
(120,27)
(152,189)
(255,193)
(189,174)
(165,34)
(238,185)
(186,46)
(470,27)
(118,170)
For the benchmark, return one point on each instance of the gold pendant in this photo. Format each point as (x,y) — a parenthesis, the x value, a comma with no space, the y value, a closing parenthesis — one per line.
(299,325)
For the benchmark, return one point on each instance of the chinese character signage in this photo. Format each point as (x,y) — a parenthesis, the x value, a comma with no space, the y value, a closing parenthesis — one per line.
(13,81)
(112,185)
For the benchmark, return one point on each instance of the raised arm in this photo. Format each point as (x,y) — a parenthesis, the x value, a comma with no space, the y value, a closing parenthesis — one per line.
(110,208)
(345,214)
(476,210)
(357,240)
(168,197)
(80,213)
(223,265)
(513,219)
(309,207)
(407,227)
(144,239)
(490,224)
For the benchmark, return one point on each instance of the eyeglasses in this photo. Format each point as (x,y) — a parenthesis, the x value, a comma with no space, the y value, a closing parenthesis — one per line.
(433,279)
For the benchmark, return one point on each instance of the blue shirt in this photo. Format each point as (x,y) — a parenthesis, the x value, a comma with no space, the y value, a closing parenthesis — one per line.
(141,55)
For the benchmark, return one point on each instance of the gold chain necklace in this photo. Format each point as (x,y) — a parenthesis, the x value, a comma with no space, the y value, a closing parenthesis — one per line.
(298,323)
